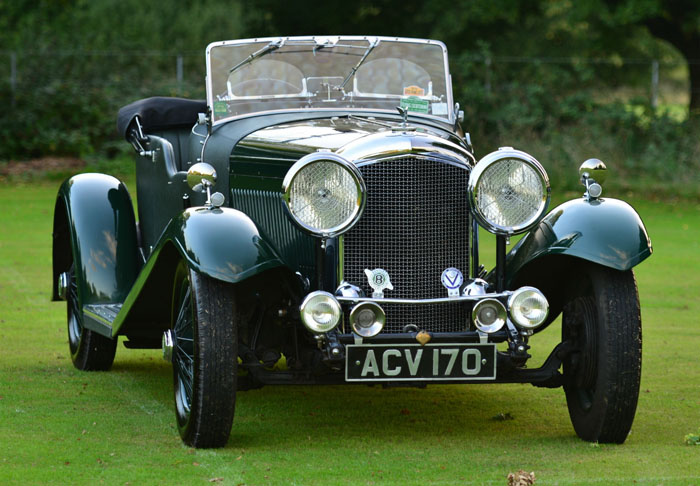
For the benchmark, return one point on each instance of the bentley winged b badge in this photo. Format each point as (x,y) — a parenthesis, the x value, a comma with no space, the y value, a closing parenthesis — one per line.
(378,280)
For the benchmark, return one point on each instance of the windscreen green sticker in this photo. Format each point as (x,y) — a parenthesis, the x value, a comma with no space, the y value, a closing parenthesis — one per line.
(415,104)
(220,108)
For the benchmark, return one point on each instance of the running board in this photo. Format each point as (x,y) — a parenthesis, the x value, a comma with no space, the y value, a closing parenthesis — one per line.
(99,317)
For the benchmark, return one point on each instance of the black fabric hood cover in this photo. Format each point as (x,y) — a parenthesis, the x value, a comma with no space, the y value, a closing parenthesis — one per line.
(160,113)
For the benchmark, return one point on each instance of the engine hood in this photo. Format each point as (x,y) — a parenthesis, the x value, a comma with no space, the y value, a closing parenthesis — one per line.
(356,139)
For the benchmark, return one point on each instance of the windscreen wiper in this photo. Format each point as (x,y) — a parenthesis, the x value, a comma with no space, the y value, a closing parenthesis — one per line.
(357,66)
(272,46)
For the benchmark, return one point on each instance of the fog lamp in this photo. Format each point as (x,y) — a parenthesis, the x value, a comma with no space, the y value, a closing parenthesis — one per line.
(489,315)
(320,312)
(367,319)
(528,307)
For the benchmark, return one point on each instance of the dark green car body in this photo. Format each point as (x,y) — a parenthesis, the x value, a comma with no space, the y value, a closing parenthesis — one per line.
(419,209)
(95,219)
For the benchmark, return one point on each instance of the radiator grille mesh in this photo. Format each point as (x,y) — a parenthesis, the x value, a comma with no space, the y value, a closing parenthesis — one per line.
(415,225)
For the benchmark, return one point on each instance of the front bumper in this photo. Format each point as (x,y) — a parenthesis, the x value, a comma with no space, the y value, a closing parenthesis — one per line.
(342,356)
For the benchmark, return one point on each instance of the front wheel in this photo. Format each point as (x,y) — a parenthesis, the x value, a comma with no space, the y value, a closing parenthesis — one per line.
(89,351)
(601,377)
(204,355)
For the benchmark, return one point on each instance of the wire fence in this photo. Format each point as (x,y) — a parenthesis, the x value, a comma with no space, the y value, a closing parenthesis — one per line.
(182,74)
(63,102)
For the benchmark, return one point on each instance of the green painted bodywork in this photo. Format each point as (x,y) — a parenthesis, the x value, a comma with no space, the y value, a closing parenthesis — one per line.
(129,267)
(259,163)
(95,222)
(604,231)
(222,243)
(251,234)
(261,159)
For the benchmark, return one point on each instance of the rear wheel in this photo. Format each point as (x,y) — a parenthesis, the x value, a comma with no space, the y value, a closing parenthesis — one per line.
(204,355)
(89,351)
(602,376)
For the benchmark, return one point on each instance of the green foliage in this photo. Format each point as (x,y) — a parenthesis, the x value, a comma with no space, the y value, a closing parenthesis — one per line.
(644,150)
(693,439)
(79,61)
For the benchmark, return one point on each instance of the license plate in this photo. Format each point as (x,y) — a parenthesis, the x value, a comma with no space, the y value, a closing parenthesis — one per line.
(414,362)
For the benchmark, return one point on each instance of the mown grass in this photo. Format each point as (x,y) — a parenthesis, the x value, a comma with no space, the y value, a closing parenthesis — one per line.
(62,426)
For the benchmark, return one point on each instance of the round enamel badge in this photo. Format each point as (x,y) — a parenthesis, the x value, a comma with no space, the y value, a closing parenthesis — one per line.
(452,279)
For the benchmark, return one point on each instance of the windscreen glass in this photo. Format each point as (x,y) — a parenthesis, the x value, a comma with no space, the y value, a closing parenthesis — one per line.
(341,73)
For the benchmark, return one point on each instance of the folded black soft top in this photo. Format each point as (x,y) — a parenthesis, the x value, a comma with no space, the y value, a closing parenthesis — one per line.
(160,113)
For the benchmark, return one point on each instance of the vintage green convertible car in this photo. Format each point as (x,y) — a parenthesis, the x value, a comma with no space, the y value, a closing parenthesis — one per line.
(316,221)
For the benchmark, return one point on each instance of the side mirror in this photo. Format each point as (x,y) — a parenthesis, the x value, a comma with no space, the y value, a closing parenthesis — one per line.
(593,173)
(593,169)
(201,177)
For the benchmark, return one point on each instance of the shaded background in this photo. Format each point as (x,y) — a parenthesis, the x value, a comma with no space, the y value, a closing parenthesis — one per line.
(563,80)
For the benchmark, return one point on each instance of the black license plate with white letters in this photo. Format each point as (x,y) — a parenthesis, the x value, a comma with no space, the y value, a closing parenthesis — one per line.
(414,362)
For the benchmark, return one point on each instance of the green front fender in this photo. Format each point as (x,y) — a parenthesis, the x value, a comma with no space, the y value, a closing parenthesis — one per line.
(604,231)
(95,229)
(222,243)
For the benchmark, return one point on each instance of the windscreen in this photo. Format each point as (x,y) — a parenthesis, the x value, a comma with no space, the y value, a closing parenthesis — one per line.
(247,77)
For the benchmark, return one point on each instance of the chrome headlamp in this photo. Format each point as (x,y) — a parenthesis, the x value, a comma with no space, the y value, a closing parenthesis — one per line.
(508,191)
(324,194)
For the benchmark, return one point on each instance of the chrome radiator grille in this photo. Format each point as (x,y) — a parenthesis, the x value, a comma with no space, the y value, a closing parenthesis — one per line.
(415,225)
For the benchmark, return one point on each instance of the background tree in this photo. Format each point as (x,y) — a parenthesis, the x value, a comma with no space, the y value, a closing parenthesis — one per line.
(565,80)
(674,21)
(618,26)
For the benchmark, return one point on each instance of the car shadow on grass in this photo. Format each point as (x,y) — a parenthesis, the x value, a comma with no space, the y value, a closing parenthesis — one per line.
(275,416)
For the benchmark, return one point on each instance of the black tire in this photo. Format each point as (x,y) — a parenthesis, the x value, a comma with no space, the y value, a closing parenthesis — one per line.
(89,351)
(205,353)
(601,378)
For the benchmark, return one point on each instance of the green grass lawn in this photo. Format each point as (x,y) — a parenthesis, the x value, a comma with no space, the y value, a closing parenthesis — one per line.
(62,426)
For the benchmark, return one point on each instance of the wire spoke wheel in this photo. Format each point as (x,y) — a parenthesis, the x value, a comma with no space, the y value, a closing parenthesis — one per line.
(75,323)
(183,354)
(602,320)
(89,351)
(204,358)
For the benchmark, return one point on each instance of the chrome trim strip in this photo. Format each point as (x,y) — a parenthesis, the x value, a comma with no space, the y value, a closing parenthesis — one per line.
(381,146)
(440,300)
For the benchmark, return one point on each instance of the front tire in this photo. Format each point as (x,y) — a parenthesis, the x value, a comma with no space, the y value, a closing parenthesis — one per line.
(602,376)
(205,353)
(89,351)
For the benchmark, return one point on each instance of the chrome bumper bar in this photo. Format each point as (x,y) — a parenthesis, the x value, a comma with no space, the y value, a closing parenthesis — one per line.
(440,300)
